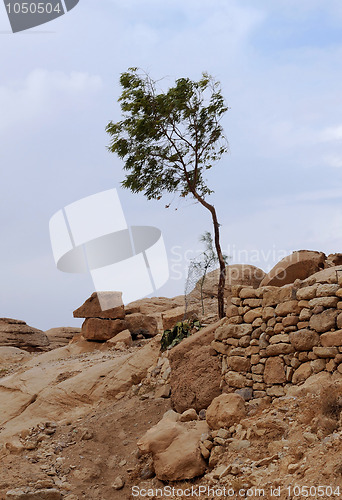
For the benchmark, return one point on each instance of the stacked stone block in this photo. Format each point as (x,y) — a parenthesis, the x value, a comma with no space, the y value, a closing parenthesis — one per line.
(102,325)
(274,337)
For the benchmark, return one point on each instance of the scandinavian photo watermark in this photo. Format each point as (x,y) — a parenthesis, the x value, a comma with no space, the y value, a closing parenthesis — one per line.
(24,15)
(180,258)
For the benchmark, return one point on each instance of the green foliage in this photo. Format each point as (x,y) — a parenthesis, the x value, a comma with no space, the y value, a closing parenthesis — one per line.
(168,139)
(180,331)
(209,255)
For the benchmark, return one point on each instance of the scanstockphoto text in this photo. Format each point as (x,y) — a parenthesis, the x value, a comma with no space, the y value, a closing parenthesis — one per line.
(302,491)
(198,492)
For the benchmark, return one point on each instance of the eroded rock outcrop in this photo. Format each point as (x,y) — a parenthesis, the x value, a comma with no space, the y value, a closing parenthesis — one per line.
(16,333)
(60,383)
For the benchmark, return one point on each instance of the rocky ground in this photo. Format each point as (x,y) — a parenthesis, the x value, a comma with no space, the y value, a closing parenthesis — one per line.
(93,450)
(294,442)
(91,457)
(109,416)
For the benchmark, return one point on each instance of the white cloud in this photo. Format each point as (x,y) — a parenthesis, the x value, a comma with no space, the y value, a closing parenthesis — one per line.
(304,197)
(41,94)
(188,37)
(270,234)
(331,134)
(333,161)
(321,195)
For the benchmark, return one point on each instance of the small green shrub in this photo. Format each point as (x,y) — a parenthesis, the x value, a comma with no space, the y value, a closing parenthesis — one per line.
(180,331)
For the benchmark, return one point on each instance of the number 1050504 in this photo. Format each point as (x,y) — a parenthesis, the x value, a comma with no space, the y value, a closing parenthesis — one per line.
(34,8)
(313,491)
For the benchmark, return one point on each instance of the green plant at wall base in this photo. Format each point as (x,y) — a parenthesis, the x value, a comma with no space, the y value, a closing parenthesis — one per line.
(180,331)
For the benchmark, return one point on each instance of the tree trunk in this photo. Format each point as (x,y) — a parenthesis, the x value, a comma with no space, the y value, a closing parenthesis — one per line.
(222,280)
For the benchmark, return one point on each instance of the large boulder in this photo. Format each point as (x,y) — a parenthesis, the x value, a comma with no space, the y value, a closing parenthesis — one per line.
(243,274)
(143,324)
(175,448)
(154,305)
(316,384)
(298,265)
(195,372)
(236,274)
(150,316)
(17,333)
(173,316)
(225,410)
(106,305)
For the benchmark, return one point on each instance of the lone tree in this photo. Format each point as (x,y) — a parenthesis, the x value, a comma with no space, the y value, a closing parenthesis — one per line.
(169,139)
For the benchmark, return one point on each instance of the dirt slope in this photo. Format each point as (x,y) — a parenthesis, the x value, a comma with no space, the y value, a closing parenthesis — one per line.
(77,437)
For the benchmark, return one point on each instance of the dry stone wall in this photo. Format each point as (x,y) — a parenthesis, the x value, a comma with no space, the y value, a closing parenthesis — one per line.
(276,337)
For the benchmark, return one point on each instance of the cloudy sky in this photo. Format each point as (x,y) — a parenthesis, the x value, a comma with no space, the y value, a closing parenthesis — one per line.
(279,189)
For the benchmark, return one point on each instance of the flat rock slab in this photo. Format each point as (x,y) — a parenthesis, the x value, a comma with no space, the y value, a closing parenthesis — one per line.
(13,355)
(105,305)
(60,384)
